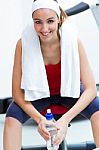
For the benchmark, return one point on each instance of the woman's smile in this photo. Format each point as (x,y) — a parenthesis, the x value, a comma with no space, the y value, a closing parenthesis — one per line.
(45,34)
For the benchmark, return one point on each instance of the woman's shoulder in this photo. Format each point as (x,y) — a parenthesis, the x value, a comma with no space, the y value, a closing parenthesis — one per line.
(19,45)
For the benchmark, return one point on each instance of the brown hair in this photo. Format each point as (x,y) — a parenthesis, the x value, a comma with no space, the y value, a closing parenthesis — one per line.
(63,15)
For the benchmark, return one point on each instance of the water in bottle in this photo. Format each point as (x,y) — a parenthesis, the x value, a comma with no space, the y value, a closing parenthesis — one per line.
(53,131)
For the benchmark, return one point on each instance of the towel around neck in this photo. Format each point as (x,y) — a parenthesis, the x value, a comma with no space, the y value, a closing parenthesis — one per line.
(34,78)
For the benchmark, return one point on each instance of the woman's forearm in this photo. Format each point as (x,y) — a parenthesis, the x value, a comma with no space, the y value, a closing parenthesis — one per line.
(87,96)
(27,107)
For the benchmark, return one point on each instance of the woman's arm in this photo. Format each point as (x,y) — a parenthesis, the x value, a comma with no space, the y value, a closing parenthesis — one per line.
(88,81)
(17,92)
(87,96)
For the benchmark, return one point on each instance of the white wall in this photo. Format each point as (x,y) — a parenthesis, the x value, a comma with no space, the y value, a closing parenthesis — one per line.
(10,27)
(89,34)
(88,31)
(14,15)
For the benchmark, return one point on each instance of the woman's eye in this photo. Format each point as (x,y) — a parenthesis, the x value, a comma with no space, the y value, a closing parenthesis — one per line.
(37,22)
(50,21)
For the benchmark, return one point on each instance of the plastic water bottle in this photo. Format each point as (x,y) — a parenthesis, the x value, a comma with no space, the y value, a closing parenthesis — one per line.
(53,131)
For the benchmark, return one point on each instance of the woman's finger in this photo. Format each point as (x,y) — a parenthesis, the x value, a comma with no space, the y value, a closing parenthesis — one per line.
(43,134)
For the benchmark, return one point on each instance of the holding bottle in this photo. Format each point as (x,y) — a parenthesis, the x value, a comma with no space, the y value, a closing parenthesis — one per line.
(53,131)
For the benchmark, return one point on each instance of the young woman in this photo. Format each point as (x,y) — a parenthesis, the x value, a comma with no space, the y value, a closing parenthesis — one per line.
(50,66)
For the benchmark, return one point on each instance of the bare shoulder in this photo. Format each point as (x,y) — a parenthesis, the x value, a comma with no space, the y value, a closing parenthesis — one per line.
(19,45)
(84,62)
(86,72)
(80,45)
(18,53)
(18,49)
(82,51)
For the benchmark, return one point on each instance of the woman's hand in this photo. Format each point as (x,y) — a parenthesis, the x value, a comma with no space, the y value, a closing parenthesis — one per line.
(62,130)
(42,128)
(61,125)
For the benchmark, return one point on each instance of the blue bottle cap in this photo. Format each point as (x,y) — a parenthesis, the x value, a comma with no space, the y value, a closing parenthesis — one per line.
(49,115)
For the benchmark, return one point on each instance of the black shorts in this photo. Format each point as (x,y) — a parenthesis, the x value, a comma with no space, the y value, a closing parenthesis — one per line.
(16,112)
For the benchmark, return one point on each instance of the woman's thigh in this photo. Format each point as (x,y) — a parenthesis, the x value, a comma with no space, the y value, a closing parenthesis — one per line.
(91,108)
(16,112)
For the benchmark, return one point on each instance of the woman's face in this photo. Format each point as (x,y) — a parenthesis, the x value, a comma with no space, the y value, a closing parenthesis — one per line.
(46,24)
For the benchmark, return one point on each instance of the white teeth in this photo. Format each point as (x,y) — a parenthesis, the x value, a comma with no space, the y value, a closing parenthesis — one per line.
(45,34)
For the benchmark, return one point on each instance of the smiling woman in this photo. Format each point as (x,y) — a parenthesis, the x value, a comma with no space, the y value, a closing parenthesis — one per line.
(46,26)
(50,40)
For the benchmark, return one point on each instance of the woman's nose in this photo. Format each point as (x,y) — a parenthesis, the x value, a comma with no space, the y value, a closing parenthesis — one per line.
(44,27)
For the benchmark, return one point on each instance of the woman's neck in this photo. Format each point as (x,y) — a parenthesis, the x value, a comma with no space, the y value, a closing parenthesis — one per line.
(51,51)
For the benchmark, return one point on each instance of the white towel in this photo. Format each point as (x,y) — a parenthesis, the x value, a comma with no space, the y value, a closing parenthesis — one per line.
(34,78)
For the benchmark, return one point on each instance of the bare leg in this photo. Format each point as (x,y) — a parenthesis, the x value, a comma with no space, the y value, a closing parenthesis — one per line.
(12,138)
(95,127)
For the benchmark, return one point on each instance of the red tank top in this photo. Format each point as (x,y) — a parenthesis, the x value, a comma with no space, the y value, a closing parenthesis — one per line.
(54,78)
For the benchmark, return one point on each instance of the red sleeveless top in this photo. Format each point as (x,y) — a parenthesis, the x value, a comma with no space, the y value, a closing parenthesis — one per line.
(54,81)
(54,78)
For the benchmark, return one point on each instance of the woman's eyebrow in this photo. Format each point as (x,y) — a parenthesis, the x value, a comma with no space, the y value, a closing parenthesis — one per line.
(41,19)
(50,18)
